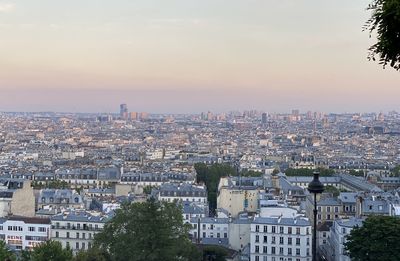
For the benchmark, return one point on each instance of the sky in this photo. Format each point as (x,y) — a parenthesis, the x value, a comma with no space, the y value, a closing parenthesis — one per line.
(188,56)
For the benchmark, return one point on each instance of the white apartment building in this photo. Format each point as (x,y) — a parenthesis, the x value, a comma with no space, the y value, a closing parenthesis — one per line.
(182,192)
(208,228)
(24,233)
(280,239)
(339,231)
(76,228)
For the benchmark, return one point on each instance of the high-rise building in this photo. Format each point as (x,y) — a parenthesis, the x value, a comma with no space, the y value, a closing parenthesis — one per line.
(264,118)
(133,115)
(123,111)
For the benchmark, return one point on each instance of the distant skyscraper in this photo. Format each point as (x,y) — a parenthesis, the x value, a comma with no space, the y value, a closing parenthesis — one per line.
(264,118)
(123,111)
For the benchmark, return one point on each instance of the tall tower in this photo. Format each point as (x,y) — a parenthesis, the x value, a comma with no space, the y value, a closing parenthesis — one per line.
(123,111)
(264,118)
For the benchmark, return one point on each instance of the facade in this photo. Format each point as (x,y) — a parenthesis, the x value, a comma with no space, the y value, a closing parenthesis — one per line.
(24,233)
(182,192)
(280,238)
(208,229)
(339,231)
(236,196)
(76,229)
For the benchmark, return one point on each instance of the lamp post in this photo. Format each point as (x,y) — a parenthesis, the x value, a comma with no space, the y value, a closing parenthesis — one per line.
(315,187)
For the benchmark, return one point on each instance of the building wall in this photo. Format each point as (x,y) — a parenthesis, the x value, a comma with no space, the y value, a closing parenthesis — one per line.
(77,237)
(277,245)
(23,201)
(21,236)
(239,235)
(233,200)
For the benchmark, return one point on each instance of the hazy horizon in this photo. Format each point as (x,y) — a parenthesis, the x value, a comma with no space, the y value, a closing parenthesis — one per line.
(188,56)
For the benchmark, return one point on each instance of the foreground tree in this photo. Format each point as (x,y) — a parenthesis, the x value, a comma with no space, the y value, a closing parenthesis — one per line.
(377,239)
(147,231)
(5,253)
(49,251)
(385,22)
(93,254)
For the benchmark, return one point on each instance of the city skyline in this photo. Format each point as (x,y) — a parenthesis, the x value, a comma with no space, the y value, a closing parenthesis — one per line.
(190,56)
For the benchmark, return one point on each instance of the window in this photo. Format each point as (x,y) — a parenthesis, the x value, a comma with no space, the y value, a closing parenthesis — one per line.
(272,250)
(265,229)
(257,258)
(273,240)
(57,234)
(297,230)
(297,251)
(281,240)
(42,229)
(289,230)
(257,228)
(83,245)
(77,245)
(328,217)
(225,235)
(308,251)
(204,234)
(281,250)
(265,249)
(211,226)
(257,239)
(78,226)
(9,228)
(204,226)
(289,251)
(257,249)
(336,209)
(289,241)
(265,239)
(273,229)
(308,231)
(328,209)
(67,234)
(281,230)
(77,234)
(67,243)
(297,241)
(83,235)
(308,241)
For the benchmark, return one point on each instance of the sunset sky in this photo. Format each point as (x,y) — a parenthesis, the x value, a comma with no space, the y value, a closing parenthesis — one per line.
(190,56)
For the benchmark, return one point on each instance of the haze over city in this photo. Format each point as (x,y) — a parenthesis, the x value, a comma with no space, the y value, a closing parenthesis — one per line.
(190,56)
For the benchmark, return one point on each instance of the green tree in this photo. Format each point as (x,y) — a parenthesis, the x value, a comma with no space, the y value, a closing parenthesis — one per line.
(309,172)
(385,22)
(396,171)
(211,175)
(147,231)
(332,189)
(215,253)
(376,239)
(5,253)
(49,251)
(92,254)
(359,173)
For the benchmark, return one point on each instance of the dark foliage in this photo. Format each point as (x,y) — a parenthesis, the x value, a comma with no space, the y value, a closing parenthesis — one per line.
(385,22)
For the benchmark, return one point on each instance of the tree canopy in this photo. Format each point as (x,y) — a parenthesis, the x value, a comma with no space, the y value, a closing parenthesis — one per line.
(385,22)
(211,175)
(309,172)
(376,239)
(147,231)
(48,251)
(5,253)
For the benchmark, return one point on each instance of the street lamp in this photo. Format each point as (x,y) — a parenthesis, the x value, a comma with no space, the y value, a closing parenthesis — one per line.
(315,187)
